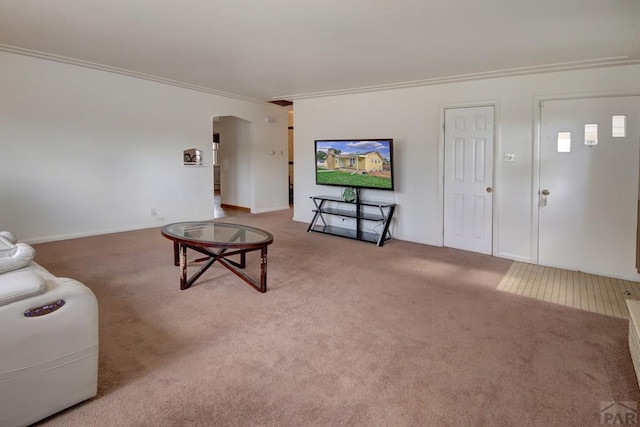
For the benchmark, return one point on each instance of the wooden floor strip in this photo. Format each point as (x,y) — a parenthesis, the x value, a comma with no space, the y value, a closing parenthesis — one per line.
(604,295)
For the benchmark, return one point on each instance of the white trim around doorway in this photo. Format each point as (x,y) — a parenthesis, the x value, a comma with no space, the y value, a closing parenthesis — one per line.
(496,169)
(535,182)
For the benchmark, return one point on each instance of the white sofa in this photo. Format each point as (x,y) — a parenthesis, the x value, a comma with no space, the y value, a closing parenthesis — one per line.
(48,338)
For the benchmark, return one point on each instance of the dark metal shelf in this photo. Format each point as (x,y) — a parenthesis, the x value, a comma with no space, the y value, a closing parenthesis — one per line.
(351,214)
(349,233)
(355,210)
(360,202)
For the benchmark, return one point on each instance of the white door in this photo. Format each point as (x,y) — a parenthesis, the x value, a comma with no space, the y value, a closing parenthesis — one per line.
(468,178)
(588,191)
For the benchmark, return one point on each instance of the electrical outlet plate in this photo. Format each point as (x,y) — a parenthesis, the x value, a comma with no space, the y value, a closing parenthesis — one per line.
(509,157)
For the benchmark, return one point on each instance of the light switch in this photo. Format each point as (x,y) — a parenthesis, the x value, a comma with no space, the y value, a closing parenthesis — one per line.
(509,157)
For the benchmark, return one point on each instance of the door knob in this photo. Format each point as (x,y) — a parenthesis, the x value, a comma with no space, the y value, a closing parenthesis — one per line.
(543,199)
(489,189)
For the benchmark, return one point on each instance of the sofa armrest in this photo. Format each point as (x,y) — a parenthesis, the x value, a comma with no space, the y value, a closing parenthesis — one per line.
(78,318)
(18,285)
(48,361)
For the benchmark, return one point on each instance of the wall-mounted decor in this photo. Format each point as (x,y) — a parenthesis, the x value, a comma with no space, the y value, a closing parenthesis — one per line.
(192,156)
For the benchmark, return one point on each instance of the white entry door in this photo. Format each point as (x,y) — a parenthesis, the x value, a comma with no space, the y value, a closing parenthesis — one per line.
(588,195)
(468,178)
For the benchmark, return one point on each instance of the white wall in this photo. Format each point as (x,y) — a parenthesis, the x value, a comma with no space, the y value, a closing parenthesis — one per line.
(84,151)
(413,117)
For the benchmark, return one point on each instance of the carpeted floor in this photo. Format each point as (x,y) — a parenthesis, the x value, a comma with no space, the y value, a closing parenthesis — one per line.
(347,334)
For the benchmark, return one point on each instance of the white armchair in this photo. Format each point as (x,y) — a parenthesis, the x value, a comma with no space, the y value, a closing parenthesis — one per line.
(48,339)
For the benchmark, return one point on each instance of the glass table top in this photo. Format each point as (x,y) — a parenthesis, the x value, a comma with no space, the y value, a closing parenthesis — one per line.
(216,233)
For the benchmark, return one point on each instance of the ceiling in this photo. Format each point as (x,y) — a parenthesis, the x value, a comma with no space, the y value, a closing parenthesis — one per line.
(290,49)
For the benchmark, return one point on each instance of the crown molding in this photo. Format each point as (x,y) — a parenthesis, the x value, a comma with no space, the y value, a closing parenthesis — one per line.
(537,69)
(124,72)
(562,66)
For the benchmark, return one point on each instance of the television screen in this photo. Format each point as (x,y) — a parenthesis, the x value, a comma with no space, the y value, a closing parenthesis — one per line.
(359,163)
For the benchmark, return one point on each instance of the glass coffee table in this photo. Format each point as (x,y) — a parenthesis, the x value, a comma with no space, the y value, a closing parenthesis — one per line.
(217,241)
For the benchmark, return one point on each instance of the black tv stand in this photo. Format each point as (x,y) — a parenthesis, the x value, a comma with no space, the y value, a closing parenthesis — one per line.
(361,211)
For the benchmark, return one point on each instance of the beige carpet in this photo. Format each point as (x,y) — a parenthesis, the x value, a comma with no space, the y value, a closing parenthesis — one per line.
(347,334)
(599,294)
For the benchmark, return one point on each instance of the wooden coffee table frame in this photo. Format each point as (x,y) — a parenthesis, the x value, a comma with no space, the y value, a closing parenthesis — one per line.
(222,251)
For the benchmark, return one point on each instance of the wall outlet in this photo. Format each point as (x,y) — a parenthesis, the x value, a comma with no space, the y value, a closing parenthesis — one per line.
(152,212)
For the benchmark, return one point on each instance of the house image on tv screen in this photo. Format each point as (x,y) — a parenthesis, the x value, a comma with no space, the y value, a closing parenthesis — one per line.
(365,164)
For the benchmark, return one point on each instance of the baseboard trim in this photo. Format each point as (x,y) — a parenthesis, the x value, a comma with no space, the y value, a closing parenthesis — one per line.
(239,208)
(285,208)
(514,257)
(69,236)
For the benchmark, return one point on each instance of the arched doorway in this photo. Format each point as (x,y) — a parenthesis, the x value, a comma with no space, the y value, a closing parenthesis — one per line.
(232,173)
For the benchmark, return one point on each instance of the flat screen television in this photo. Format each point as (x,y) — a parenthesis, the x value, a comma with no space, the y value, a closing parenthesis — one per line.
(357,163)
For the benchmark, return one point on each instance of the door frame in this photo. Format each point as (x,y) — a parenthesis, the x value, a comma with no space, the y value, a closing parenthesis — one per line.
(249,158)
(496,168)
(537,135)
